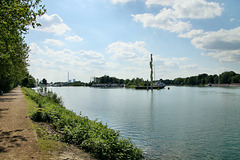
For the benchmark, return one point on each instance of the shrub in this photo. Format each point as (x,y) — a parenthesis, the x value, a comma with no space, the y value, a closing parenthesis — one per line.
(92,136)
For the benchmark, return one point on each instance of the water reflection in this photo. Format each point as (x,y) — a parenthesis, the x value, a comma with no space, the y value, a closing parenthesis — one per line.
(181,123)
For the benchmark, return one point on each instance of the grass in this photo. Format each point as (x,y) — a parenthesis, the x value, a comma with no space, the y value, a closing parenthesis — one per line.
(92,136)
(49,144)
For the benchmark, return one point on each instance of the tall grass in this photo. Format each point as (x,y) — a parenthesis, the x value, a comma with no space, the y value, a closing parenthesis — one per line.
(92,136)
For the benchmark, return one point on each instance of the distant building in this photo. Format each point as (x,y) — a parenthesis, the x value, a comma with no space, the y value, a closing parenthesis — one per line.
(74,80)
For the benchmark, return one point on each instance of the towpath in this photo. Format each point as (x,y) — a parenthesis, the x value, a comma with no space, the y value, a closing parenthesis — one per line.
(17,139)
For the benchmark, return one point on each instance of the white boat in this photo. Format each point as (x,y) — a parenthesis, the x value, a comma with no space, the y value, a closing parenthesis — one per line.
(159,84)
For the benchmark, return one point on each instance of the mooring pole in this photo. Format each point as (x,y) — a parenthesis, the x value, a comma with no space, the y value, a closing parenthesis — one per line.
(151,73)
(147,85)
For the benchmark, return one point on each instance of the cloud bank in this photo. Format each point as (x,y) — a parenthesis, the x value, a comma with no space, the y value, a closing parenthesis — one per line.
(223,44)
(123,60)
(74,38)
(52,24)
(53,42)
(121,1)
(175,15)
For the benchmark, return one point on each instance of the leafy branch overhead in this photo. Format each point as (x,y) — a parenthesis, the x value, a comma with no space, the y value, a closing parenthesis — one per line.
(16,16)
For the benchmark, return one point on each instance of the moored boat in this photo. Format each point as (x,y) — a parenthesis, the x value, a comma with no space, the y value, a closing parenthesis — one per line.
(157,85)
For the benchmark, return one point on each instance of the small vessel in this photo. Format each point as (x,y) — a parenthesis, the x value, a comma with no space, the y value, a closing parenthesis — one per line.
(159,84)
(156,85)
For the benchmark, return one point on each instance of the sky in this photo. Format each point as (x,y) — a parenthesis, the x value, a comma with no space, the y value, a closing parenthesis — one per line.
(92,38)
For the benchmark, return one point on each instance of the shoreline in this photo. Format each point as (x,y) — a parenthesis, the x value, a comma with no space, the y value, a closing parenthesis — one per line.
(93,137)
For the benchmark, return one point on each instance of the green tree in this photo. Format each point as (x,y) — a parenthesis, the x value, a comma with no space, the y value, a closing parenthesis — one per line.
(186,81)
(121,81)
(235,79)
(126,81)
(209,79)
(216,79)
(15,18)
(201,79)
(225,77)
(192,80)
(178,81)
(167,81)
(44,81)
(29,81)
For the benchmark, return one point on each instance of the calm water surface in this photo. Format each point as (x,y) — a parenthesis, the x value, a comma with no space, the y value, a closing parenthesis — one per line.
(180,123)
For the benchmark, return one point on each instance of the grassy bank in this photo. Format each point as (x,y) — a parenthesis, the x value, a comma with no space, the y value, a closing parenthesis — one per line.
(50,145)
(94,137)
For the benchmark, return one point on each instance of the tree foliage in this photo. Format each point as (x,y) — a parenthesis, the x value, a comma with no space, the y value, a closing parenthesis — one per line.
(203,79)
(113,80)
(29,81)
(15,18)
(226,77)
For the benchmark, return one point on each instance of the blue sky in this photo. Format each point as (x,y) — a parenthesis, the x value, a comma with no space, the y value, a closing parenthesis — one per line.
(90,38)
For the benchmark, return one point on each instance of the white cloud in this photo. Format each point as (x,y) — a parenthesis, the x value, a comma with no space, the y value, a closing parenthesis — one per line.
(52,24)
(83,64)
(160,2)
(173,62)
(221,40)
(223,44)
(64,59)
(35,49)
(91,54)
(189,67)
(121,1)
(140,56)
(192,34)
(133,59)
(53,42)
(163,20)
(196,9)
(226,56)
(123,51)
(125,60)
(74,38)
(93,57)
(173,17)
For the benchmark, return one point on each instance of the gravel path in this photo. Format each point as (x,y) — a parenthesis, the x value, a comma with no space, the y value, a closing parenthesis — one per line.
(17,139)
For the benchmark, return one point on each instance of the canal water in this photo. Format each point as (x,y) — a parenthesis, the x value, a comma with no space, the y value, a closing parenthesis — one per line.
(180,123)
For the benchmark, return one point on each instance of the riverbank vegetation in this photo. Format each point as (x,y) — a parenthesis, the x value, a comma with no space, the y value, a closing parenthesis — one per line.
(229,77)
(92,136)
(113,80)
(49,141)
(15,20)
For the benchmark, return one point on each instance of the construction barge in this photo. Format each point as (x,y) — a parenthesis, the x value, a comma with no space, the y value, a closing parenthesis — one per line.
(154,87)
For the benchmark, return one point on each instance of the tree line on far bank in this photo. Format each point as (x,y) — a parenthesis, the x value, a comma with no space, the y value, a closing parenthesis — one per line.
(228,77)
(15,18)
(202,79)
(113,80)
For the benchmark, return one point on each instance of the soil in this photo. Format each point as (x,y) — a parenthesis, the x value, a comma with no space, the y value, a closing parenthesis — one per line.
(17,139)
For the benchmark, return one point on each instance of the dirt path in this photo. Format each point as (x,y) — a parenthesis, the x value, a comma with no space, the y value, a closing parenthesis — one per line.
(17,139)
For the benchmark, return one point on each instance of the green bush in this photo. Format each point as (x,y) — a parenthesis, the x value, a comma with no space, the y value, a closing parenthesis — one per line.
(92,136)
